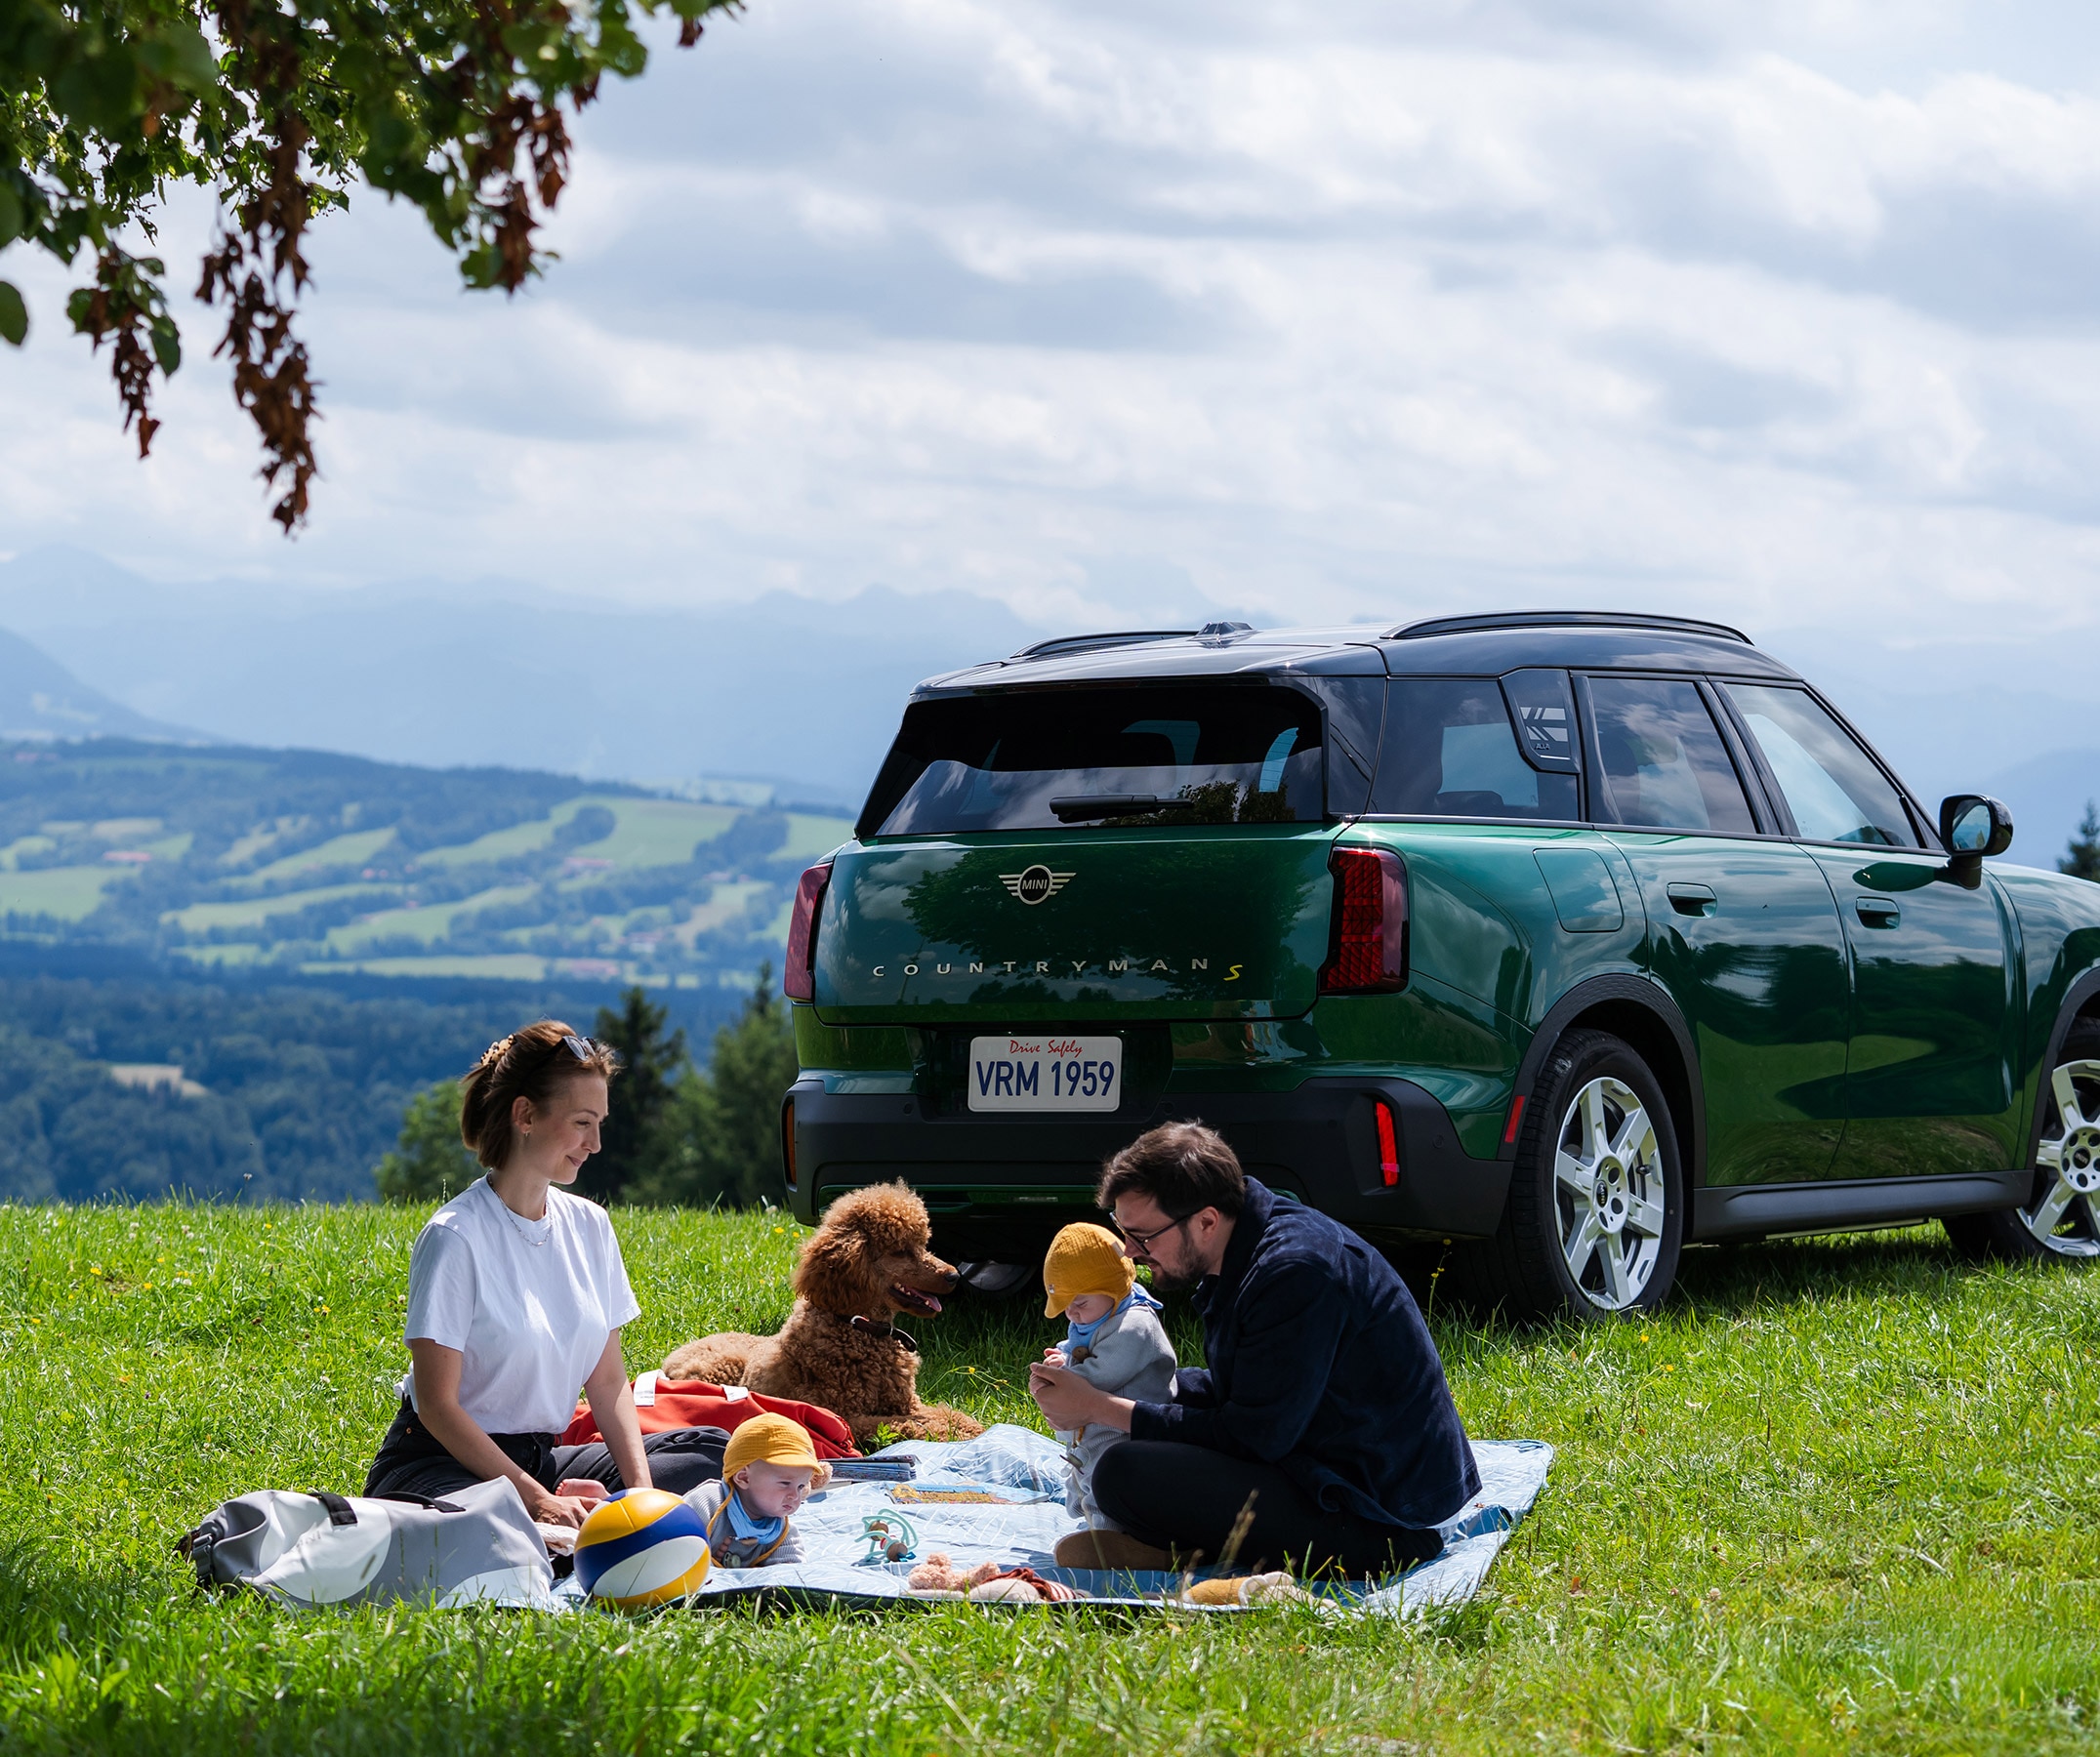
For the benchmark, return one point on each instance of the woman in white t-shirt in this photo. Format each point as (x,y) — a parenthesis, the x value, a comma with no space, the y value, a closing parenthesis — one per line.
(516,1294)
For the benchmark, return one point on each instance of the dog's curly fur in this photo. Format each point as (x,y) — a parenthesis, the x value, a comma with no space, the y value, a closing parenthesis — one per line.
(867,1259)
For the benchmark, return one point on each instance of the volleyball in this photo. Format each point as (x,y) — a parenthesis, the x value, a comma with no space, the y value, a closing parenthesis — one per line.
(641,1548)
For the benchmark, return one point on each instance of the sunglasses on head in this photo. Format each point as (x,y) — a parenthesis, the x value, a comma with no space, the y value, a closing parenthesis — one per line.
(582,1049)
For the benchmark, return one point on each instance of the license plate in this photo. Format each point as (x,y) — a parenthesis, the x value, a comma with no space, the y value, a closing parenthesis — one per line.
(1045,1073)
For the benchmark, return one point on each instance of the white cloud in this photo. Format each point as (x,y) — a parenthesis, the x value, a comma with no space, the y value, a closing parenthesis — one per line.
(1780,311)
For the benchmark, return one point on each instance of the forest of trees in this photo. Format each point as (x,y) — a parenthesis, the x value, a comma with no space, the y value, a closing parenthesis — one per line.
(304,1085)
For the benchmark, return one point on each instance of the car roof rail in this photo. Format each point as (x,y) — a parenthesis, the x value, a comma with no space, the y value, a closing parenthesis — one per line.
(1547,618)
(1087,644)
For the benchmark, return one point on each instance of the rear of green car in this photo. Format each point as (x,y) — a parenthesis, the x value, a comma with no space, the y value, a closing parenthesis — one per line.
(1079,907)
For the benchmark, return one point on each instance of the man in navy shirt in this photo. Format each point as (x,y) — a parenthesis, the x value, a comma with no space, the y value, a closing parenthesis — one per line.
(1322,1414)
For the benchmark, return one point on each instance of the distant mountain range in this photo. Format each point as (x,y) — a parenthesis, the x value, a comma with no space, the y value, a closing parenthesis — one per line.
(39,698)
(795,700)
(783,689)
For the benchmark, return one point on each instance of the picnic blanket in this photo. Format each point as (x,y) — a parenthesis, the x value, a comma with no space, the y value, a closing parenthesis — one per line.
(1011,1510)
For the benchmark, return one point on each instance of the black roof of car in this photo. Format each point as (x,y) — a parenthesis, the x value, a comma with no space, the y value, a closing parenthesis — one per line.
(1472,646)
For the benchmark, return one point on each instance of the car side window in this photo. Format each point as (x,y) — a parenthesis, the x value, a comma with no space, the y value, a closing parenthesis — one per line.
(1450,751)
(1664,764)
(1833,787)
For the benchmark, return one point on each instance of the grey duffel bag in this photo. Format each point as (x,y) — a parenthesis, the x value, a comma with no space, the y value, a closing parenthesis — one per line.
(478,1546)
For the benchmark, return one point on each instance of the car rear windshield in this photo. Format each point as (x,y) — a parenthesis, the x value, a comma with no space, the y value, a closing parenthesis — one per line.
(1071,758)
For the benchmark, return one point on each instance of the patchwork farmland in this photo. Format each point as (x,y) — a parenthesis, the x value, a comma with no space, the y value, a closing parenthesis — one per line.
(246,861)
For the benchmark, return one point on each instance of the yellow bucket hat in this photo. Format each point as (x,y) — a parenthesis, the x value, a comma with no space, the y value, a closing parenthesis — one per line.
(769,1440)
(1085,1258)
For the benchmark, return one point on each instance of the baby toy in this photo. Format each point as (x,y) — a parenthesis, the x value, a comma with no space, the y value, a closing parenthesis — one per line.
(1277,1589)
(936,1573)
(889,1538)
(938,1577)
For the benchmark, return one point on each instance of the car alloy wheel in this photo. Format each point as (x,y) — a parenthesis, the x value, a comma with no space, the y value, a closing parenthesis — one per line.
(1594,1220)
(1608,1194)
(2063,1216)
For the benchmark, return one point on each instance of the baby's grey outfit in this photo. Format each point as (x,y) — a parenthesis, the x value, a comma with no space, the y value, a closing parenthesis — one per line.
(1132,1358)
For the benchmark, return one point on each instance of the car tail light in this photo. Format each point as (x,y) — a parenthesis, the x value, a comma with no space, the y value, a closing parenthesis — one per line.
(797,981)
(1389,1145)
(787,1139)
(1369,954)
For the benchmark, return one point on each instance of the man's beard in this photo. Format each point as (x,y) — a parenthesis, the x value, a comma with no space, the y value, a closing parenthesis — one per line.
(1177,1280)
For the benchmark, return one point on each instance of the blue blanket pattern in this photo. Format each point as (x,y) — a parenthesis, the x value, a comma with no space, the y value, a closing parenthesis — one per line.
(1024,1469)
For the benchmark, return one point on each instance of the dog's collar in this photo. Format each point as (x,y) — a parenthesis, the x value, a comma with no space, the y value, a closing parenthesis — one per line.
(868,1327)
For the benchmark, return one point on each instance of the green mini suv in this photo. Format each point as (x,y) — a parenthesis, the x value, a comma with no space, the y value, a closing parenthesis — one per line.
(1566,938)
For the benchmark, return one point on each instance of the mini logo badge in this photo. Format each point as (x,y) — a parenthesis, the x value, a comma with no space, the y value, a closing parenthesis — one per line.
(1036,883)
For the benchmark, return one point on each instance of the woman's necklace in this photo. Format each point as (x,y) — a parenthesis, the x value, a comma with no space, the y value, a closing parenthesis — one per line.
(524,1226)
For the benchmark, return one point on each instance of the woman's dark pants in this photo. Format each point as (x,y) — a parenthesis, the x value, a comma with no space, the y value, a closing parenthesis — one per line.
(411,1461)
(1187,1498)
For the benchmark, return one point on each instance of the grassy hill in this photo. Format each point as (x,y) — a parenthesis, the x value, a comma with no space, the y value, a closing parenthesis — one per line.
(235,860)
(1838,1498)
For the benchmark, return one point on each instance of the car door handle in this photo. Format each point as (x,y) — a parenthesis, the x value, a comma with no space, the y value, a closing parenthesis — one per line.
(1692,899)
(1878,911)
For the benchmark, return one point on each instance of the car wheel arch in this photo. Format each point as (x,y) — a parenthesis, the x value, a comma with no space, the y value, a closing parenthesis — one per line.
(1641,1014)
(2081,1001)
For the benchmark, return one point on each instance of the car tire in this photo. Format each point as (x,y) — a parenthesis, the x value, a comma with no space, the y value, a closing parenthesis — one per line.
(991,1280)
(1594,1223)
(2059,1221)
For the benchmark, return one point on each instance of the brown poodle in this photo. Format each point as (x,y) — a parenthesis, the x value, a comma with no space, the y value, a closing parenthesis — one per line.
(865,1263)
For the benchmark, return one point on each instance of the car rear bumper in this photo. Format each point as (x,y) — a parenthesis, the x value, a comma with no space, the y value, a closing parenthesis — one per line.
(988,1179)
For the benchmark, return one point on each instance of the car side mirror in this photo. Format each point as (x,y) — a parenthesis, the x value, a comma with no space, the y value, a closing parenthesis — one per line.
(1973,826)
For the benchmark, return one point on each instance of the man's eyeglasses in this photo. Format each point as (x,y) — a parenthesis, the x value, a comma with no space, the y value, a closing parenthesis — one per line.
(1143,1239)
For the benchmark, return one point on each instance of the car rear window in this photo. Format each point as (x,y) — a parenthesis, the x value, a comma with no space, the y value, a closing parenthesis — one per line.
(1072,758)
(1451,750)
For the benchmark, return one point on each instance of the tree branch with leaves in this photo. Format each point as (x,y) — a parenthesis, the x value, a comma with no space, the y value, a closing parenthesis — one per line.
(281,107)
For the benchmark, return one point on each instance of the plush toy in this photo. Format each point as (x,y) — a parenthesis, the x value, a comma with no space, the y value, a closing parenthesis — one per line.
(1005,1587)
(1277,1589)
(987,1582)
(936,1573)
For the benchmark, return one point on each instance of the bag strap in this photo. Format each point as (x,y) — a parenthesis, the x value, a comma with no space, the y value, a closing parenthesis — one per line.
(340,1511)
(420,1500)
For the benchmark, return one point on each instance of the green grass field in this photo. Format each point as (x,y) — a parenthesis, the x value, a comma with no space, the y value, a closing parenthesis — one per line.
(650,833)
(353,849)
(252,912)
(70,893)
(427,922)
(646,832)
(1840,1496)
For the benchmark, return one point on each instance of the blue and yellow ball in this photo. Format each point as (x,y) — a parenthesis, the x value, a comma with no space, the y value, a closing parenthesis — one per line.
(641,1548)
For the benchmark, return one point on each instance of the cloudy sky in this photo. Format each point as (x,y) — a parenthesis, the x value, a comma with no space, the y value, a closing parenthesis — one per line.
(1778,311)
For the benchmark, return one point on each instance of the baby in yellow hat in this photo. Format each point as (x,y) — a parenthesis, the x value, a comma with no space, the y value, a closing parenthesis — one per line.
(768,1469)
(1113,1339)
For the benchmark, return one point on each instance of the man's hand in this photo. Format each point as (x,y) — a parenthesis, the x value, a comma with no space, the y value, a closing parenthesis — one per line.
(1069,1403)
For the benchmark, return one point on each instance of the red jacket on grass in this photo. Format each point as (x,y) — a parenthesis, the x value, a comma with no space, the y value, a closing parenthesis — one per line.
(663,1403)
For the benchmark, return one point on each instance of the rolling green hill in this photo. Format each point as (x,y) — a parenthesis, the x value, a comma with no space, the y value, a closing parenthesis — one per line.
(238,860)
